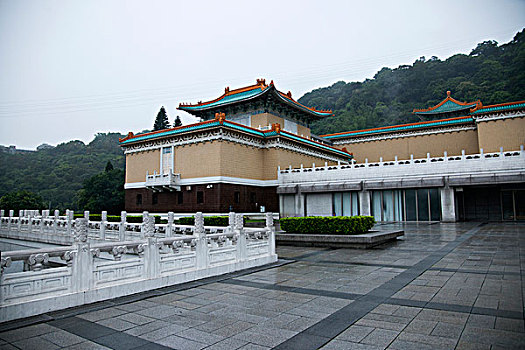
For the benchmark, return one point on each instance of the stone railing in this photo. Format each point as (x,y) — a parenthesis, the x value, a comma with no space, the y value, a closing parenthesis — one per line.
(464,163)
(62,277)
(169,181)
(32,225)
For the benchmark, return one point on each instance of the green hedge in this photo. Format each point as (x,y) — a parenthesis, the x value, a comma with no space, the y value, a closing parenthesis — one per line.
(208,221)
(335,225)
(133,219)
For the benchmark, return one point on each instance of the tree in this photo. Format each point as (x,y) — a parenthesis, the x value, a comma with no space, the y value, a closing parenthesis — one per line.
(21,200)
(104,191)
(177,122)
(109,166)
(161,122)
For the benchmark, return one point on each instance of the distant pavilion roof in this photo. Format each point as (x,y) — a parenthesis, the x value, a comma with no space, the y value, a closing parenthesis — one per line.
(448,105)
(252,92)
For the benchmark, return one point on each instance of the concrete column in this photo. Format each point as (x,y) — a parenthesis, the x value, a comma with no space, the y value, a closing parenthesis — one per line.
(299,203)
(448,207)
(364,202)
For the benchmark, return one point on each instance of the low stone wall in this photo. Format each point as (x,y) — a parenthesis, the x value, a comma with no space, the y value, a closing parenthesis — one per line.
(107,270)
(363,241)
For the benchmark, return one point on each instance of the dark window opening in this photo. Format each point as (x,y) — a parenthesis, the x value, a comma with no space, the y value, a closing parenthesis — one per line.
(200,197)
(180,198)
(139,199)
(252,197)
(237,197)
(155,198)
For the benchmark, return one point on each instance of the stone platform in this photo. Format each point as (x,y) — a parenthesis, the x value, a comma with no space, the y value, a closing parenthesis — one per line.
(442,286)
(362,241)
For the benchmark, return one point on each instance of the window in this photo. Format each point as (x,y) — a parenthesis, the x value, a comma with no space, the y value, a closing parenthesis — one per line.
(155,198)
(345,204)
(167,160)
(252,197)
(200,197)
(422,204)
(180,198)
(139,199)
(237,197)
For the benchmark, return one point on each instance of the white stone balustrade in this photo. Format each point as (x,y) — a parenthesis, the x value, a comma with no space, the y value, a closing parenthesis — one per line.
(429,166)
(92,272)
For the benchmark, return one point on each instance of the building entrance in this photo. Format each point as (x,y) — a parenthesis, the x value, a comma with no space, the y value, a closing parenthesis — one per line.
(491,203)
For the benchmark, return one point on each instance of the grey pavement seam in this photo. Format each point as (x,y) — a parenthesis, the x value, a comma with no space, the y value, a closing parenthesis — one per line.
(329,327)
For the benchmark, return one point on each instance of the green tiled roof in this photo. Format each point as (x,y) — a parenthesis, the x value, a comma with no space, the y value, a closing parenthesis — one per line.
(461,120)
(233,126)
(499,108)
(226,99)
(447,107)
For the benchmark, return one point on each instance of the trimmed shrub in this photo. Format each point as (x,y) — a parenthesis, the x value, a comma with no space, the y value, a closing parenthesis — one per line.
(208,220)
(334,225)
(132,219)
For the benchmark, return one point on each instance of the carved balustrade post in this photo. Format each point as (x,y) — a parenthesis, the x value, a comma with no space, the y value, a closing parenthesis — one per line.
(169,228)
(55,221)
(1,213)
(145,214)
(11,214)
(103,221)
(29,223)
(270,228)
(20,216)
(239,231)
(202,244)
(122,226)
(70,216)
(82,268)
(151,250)
(231,221)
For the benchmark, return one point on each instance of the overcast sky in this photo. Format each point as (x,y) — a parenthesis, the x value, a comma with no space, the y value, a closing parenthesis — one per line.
(70,69)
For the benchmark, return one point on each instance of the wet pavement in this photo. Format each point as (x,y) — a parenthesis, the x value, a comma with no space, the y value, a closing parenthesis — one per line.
(443,286)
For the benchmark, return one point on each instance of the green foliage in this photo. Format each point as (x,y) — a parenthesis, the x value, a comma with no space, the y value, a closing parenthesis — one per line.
(109,166)
(56,174)
(334,225)
(21,200)
(132,219)
(104,191)
(490,73)
(177,122)
(208,221)
(161,122)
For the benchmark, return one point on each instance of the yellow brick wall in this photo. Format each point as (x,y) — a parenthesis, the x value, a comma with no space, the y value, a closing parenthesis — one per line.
(284,158)
(265,119)
(198,160)
(137,164)
(507,133)
(419,146)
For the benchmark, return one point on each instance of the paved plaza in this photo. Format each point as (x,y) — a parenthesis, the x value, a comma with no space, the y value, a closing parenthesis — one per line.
(443,286)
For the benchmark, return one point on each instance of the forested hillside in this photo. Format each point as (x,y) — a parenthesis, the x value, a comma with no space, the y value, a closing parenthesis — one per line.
(56,174)
(491,73)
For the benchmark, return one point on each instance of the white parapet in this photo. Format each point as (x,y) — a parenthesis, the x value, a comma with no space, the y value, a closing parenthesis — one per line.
(459,170)
(93,272)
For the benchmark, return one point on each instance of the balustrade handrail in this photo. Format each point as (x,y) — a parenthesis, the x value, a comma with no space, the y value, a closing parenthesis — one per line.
(482,156)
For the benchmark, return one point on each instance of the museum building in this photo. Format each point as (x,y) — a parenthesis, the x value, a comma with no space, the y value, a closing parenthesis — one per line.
(467,163)
(228,161)
(254,149)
